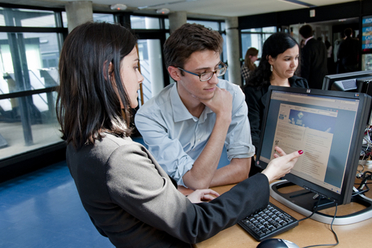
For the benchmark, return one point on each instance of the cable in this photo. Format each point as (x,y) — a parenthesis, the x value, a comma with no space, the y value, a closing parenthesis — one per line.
(314,210)
(334,233)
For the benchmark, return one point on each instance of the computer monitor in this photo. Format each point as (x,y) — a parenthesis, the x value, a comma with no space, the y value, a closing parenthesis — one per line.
(328,126)
(358,81)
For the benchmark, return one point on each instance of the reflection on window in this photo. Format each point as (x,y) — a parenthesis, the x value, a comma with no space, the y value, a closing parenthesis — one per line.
(39,51)
(166,23)
(209,24)
(18,134)
(28,62)
(96,17)
(27,18)
(255,37)
(142,22)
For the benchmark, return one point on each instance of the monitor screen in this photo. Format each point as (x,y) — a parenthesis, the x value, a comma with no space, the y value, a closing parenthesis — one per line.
(367,34)
(328,126)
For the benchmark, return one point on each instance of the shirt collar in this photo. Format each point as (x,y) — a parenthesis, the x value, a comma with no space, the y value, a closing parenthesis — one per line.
(308,39)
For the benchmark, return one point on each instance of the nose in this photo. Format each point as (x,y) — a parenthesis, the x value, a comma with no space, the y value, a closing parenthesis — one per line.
(294,63)
(213,79)
(140,78)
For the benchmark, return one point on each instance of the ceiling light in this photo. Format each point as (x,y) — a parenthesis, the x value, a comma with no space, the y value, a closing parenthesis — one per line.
(118,6)
(297,2)
(163,11)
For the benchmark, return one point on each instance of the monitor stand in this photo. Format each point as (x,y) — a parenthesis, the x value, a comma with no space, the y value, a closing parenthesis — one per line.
(303,202)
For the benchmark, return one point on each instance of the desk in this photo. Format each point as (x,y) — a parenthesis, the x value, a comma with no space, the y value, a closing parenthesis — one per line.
(308,232)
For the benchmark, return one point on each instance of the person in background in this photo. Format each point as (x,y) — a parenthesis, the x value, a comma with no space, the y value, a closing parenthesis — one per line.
(278,64)
(194,118)
(349,52)
(313,58)
(336,46)
(249,66)
(127,195)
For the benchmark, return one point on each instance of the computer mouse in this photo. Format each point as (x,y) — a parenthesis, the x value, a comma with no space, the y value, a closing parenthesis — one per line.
(277,243)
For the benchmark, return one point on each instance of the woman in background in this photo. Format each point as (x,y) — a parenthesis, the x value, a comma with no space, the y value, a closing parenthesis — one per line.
(248,67)
(128,196)
(278,64)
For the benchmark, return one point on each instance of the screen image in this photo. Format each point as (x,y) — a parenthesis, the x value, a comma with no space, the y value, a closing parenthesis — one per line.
(367,34)
(310,127)
(328,126)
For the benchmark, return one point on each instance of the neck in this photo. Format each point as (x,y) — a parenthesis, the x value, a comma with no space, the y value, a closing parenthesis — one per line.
(193,104)
(280,82)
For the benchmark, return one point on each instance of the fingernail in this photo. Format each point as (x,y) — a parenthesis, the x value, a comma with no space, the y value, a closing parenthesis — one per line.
(300,151)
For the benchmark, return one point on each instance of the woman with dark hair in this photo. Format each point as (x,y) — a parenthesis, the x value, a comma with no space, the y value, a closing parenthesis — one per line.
(278,64)
(248,67)
(128,196)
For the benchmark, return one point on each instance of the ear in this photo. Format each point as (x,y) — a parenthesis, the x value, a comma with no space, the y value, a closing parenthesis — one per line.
(110,69)
(270,59)
(175,73)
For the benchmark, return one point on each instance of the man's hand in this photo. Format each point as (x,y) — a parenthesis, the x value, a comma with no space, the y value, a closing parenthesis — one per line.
(220,103)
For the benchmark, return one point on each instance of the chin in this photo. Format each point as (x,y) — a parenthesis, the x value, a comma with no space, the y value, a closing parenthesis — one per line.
(134,105)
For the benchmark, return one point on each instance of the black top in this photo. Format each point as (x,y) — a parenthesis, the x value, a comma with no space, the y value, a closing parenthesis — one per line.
(256,98)
(314,63)
(348,52)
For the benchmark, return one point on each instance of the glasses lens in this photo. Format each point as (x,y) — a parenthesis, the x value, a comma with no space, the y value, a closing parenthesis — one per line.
(221,71)
(206,76)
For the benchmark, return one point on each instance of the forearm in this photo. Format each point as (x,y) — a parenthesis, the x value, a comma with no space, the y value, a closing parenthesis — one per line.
(235,172)
(204,168)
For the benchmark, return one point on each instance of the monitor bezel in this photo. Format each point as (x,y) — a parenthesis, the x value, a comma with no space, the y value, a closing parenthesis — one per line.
(329,79)
(354,150)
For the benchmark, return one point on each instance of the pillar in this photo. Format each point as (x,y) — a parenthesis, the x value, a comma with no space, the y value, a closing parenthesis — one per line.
(233,52)
(78,13)
(176,20)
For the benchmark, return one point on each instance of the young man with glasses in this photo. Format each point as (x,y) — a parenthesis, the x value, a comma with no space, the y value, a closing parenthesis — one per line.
(188,123)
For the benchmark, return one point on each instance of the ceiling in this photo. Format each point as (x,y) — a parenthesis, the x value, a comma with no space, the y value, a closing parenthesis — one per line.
(212,8)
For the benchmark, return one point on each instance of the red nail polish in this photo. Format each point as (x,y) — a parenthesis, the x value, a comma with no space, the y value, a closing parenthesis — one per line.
(300,151)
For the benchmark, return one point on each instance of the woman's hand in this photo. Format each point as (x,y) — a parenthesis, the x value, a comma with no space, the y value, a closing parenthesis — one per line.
(282,164)
(201,195)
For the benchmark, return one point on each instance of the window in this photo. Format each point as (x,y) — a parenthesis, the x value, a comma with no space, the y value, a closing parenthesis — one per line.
(255,37)
(28,65)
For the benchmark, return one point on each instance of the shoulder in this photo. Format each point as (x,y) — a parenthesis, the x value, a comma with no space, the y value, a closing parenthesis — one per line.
(253,92)
(234,89)
(158,102)
(298,82)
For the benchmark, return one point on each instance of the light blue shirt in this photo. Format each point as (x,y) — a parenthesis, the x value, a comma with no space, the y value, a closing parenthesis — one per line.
(176,138)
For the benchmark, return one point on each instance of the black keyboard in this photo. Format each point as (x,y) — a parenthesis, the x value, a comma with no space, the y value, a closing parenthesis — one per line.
(268,222)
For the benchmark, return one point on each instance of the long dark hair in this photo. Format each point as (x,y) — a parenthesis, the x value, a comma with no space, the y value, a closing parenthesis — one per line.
(247,60)
(88,102)
(276,44)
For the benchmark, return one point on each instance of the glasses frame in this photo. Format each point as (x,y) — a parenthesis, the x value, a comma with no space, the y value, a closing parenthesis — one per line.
(213,72)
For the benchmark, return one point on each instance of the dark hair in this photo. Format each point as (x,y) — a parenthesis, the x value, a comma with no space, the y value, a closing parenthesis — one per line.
(247,61)
(306,31)
(276,44)
(87,101)
(348,32)
(187,39)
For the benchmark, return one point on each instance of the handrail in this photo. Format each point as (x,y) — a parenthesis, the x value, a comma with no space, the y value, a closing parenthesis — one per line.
(28,92)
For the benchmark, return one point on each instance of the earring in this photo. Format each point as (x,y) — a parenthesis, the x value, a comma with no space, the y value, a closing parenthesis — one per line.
(271,67)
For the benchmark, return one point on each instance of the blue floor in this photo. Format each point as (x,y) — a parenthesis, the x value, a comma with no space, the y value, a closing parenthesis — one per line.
(43,209)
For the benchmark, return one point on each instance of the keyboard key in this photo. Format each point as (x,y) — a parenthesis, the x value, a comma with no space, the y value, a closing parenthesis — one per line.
(268,222)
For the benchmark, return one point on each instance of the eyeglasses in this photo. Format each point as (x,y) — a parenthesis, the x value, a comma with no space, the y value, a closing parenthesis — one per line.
(205,76)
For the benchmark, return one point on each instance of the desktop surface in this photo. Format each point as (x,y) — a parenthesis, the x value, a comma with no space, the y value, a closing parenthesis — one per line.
(308,232)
